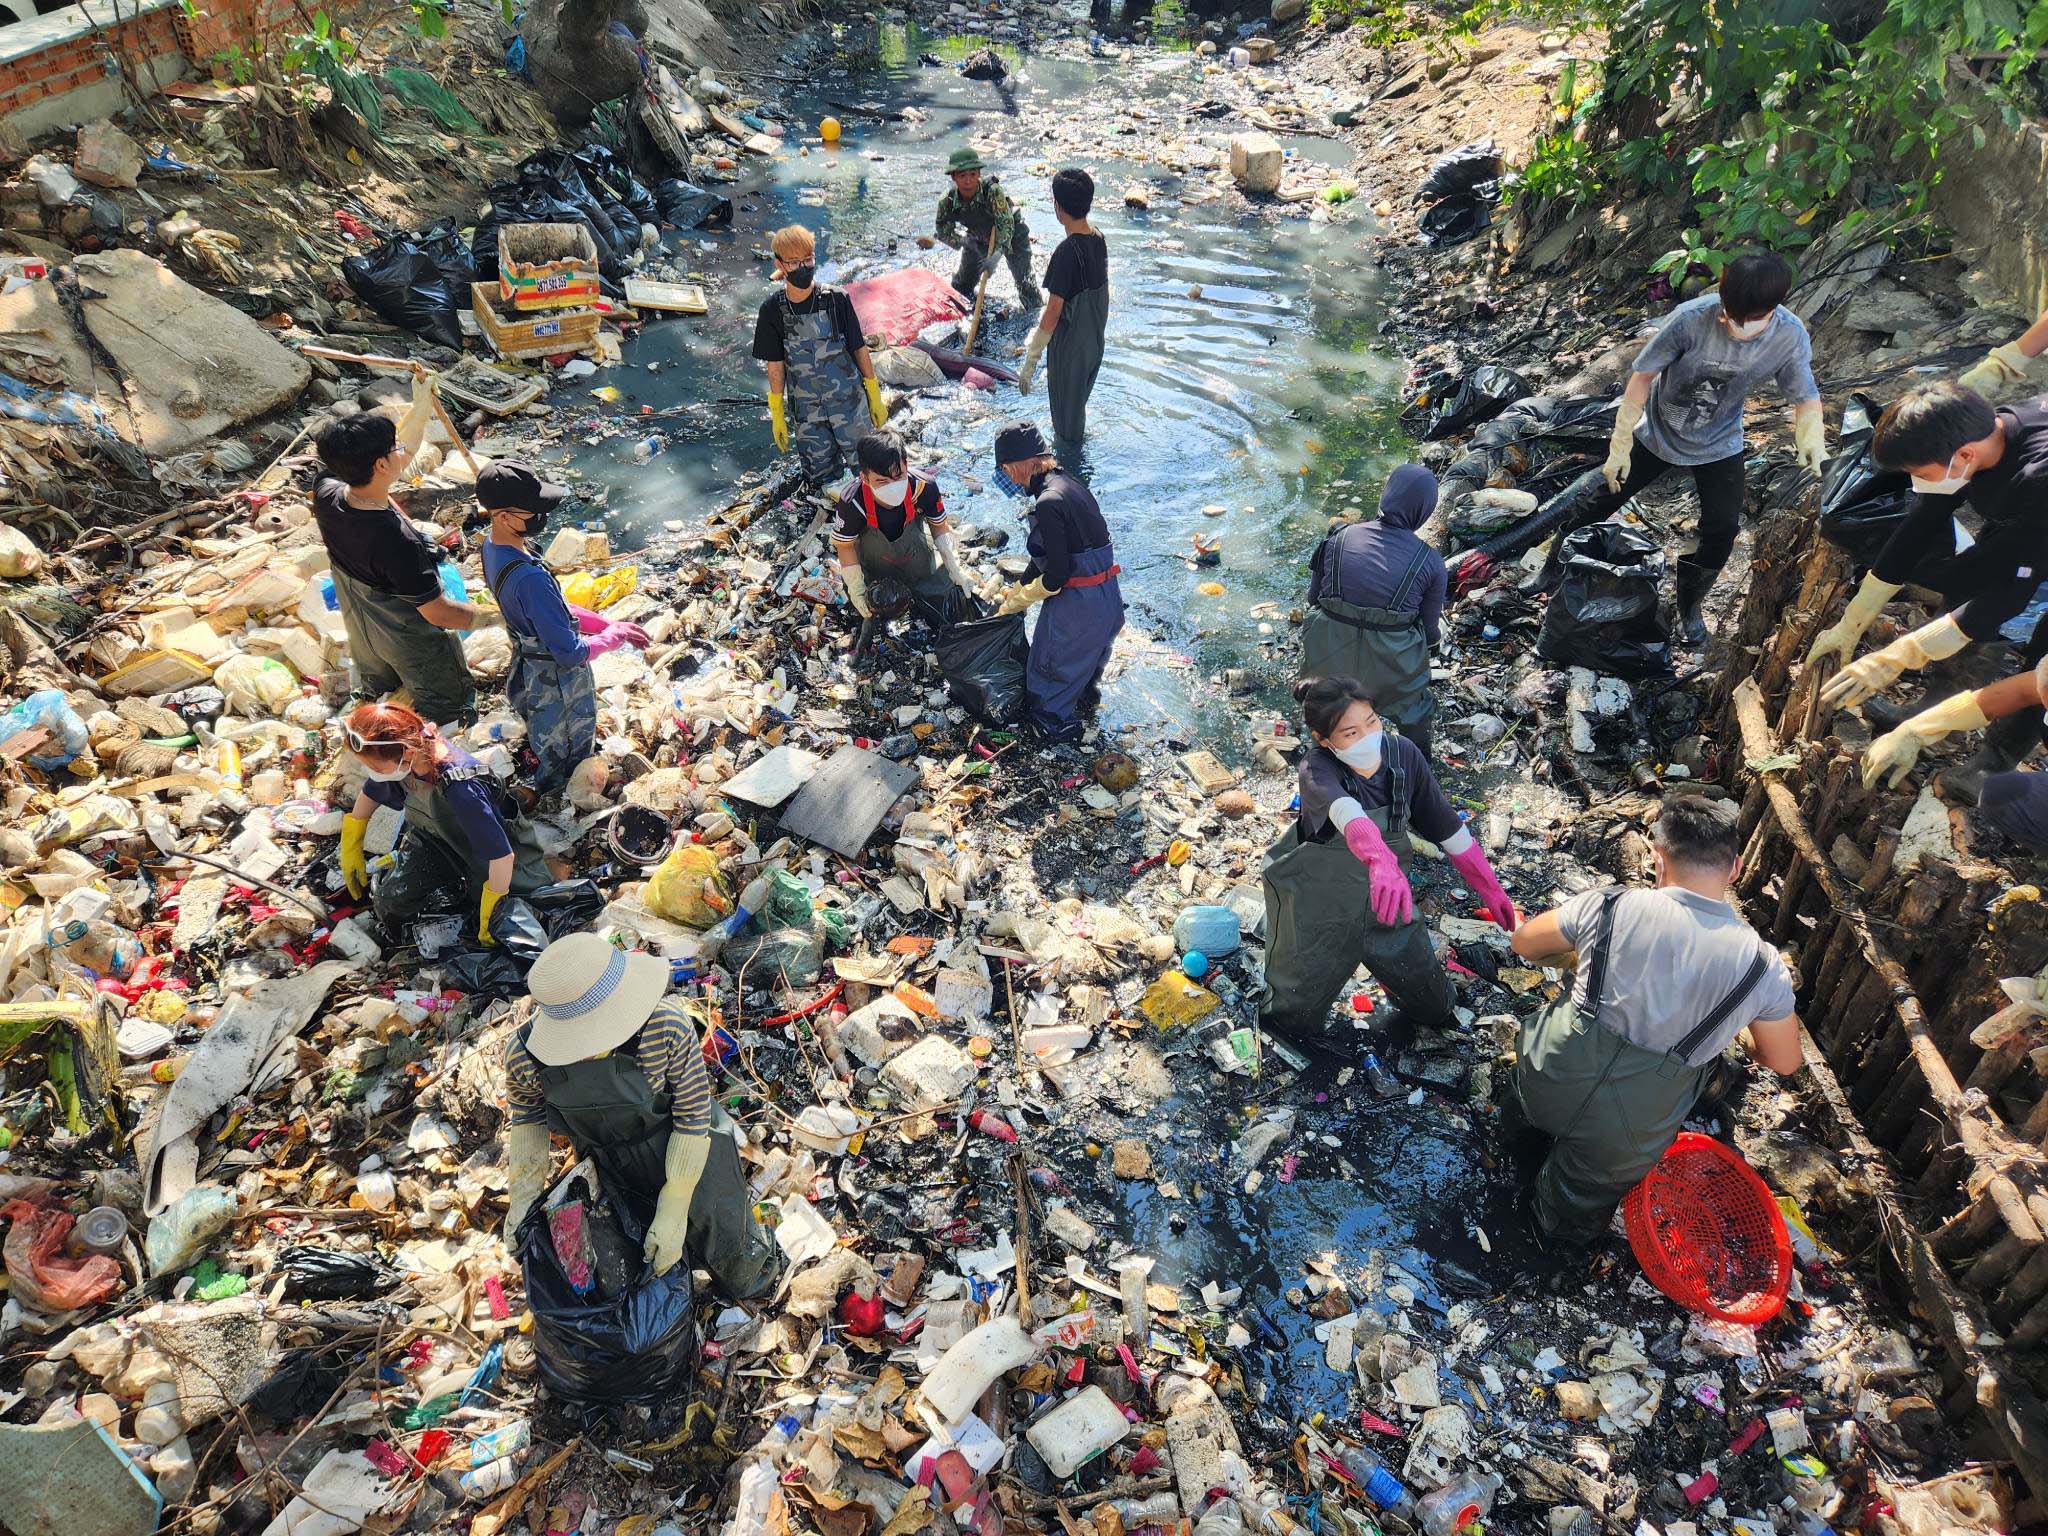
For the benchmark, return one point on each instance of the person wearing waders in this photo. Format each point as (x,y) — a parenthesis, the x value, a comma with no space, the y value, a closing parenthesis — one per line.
(891,525)
(1076,311)
(2016,803)
(822,391)
(979,205)
(402,629)
(461,835)
(549,686)
(1667,978)
(1375,599)
(1073,573)
(1336,896)
(616,1066)
(1958,450)
(1683,409)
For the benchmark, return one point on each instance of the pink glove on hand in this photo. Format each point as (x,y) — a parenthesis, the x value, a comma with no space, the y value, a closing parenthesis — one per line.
(1479,875)
(587,622)
(611,636)
(1392,902)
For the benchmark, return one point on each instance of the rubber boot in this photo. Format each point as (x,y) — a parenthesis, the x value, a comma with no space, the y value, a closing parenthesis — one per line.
(1693,582)
(2006,745)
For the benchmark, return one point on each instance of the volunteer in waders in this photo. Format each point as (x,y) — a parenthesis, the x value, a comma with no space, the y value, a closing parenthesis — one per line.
(617,1066)
(1683,409)
(978,204)
(461,835)
(822,391)
(1336,896)
(2016,803)
(402,630)
(1375,600)
(553,642)
(1666,979)
(1076,311)
(1073,573)
(891,525)
(1959,451)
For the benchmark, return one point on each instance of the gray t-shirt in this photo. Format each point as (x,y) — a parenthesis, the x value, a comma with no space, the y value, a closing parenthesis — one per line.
(1675,955)
(1704,375)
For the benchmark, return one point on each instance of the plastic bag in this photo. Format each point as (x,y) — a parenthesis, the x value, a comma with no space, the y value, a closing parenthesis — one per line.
(1606,616)
(38,1274)
(418,281)
(303,1381)
(1454,220)
(983,663)
(607,173)
(517,932)
(1861,505)
(597,1350)
(691,207)
(328,1274)
(1469,170)
(678,889)
(257,687)
(1485,392)
(788,904)
(484,974)
(585,590)
(568,906)
(48,708)
(198,704)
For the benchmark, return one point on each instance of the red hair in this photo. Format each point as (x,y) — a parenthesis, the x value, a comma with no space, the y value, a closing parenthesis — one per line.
(395,723)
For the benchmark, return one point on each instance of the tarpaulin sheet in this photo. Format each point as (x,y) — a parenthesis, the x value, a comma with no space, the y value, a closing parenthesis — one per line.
(898,305)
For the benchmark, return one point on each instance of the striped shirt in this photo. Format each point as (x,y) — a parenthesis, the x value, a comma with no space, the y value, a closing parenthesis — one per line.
(671,1057)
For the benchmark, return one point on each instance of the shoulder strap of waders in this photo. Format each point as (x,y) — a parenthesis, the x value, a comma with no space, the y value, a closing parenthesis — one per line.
(497,582)
(1400,597)
(1397,797)
(1713,1021)
(1596,995)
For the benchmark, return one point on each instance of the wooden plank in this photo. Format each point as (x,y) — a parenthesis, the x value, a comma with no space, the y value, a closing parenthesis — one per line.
(843,804)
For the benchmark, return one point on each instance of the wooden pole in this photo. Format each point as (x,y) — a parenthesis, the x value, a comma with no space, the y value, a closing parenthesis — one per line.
(988,267)
(400,365)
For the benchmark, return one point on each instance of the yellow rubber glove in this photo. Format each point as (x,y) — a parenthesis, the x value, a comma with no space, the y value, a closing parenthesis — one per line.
(1895,752)
(681,1169)
(355,873)
(1028,370)
(778,423)
(1880,669)
(877,411)
(1017,599)
(483,914)
(1809,440)
(1621,446)
(526,1170)
(2001,366)
(1840,640)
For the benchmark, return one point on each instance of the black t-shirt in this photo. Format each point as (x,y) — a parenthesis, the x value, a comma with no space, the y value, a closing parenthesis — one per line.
(1064,521)
(1323,780)
(1998,575)
(1079,263)
(382,549)
(850,520)
(771,329)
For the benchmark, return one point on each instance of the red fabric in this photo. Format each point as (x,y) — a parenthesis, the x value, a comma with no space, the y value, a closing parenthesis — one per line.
(1095,580)
(897,305)
(42,1276)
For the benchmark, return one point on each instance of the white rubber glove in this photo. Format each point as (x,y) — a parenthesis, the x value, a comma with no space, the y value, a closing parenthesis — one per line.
(1841,639)
(856,580)
(1622,444)
(949,557)
(1895,752)
(1809,440)
(1028,370)
(682,1169)
(1880,669)
(2001,366)
(526,1172)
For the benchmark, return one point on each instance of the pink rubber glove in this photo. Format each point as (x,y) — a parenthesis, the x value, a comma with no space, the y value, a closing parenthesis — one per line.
(611,636)
(1392,902)
(587,622)
(1479,876)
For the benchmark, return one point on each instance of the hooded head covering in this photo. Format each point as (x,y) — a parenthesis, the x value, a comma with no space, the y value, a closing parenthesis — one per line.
(1021,440)
(1409,498)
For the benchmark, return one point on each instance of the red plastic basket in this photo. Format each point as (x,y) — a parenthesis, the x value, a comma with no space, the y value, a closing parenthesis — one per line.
(1708,1234)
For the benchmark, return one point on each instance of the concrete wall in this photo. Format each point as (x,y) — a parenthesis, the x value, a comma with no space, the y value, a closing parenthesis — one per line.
(62,68)
(1996,200)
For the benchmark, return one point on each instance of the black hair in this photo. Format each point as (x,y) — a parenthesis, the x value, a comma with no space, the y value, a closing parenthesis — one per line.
(351,447)
(1927,425)
(880,452)
(1754,285)
(1325,700)
(1697,832)
(1073,192)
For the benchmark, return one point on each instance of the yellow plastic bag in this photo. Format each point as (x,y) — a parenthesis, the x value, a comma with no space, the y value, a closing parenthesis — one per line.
(587,591)
(688,888)
(1173,1002)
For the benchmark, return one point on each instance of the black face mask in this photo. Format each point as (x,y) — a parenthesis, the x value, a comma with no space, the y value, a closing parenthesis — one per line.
(800,277)
(535,521)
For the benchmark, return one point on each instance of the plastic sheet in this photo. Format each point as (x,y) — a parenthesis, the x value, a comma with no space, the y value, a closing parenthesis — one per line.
(49,709)
(983,663)
(599,1351)
(420,281)
(1606,616)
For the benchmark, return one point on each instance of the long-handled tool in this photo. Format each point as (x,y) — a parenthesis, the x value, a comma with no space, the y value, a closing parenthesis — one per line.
(988,267)
(400,365)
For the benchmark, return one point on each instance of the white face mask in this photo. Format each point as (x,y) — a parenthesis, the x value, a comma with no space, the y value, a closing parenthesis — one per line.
(892,494)
(386,775)
(1949,483)
(1363,754)
(1748,330)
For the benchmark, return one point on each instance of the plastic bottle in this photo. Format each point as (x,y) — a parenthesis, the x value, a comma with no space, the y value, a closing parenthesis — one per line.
(757,1482)
(1161,1509)
(1222,1518)
(1456,1505)
(1377,1480)
(1384,1083)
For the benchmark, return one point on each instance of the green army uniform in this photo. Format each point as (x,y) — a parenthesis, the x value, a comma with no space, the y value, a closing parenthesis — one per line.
(989,210)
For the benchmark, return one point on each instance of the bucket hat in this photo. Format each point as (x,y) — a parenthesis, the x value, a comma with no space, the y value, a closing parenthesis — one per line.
(592,998)
(962,160)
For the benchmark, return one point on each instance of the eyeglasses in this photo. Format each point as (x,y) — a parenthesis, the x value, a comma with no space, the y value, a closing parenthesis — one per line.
(359,742)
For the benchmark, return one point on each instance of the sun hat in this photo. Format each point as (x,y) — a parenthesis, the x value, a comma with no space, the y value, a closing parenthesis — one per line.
(591,997)
(962,160)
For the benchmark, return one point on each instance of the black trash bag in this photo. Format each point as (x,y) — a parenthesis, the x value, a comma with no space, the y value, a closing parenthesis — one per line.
(605,170)
(983,663)
(1486,391)
(418,281)
(690,207)
(1606,615)
(518,930)
(888,598)
(200,702)
(601,1350)
(985,64)
(1470,170)
(300,1386)
(955,607)
(328,1274)
(568,906)
(485,974)
(1861,505)
(1454,220)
